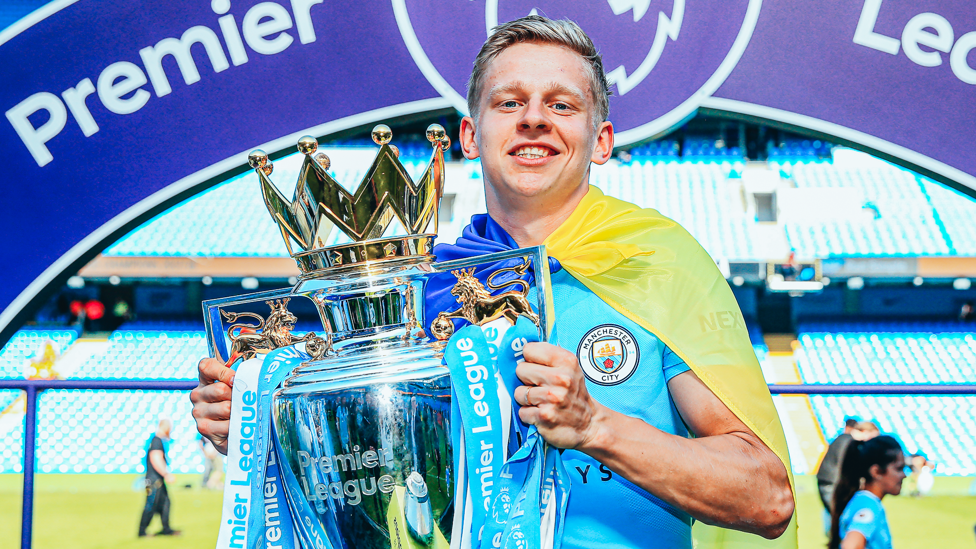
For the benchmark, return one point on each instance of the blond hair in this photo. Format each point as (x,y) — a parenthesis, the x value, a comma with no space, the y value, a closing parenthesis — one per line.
(538,29)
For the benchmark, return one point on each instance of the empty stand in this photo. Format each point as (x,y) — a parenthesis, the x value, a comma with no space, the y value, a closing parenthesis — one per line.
(942,428)
(109,431)
(11,433)
(898,218)
(698,195)
(25,344)
(910,352)
(137,354)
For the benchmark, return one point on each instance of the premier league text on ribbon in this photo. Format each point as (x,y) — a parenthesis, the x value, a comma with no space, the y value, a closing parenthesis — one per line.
(476,374)
(242,507)
(120,85)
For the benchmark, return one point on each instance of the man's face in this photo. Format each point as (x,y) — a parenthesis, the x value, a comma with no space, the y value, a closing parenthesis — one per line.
(535,131)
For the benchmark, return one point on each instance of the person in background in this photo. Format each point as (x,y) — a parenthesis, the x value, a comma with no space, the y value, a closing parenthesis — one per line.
(827,473)
(967,312)
(865,430)
(911,485)
(858,519)
(212,464)
(157,475)
(926,477)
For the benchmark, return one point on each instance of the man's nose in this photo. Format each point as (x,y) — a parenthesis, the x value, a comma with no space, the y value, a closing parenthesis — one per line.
(535,117)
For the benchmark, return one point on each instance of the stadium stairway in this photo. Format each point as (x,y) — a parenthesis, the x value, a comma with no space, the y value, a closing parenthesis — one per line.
(804,437)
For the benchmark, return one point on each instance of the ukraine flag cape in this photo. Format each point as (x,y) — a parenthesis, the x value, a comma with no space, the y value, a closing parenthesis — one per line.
(652,271)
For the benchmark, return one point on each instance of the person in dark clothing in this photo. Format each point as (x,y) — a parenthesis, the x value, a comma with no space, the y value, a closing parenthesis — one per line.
(827,473)
(157,474)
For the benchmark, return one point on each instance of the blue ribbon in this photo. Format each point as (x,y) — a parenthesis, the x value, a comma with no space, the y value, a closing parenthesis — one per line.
(271,523)
(474,379)
(534,477)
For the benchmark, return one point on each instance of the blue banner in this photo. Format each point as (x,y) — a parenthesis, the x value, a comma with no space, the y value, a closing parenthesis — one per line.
(113,110)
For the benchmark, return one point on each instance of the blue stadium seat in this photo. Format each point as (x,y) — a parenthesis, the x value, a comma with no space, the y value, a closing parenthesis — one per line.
(11,433)
(901,352)
(145,354)
(695,194)
(25,344)
(109,431)
(942,428)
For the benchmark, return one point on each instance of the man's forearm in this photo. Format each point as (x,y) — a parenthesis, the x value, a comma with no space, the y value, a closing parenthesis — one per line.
(729,480)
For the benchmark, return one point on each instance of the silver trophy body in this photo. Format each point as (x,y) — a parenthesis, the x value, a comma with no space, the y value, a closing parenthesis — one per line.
(371,418)
(365,426)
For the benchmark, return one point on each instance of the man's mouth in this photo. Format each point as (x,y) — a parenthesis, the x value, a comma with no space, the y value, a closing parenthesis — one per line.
(532,152)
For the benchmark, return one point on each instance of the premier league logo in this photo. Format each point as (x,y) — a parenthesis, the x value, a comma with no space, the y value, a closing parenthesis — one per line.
(663,57)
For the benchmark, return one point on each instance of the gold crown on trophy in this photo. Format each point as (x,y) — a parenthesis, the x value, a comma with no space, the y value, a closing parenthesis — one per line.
(386,193)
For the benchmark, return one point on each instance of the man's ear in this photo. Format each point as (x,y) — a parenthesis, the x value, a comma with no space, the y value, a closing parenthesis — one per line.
(469,145)
(604,144)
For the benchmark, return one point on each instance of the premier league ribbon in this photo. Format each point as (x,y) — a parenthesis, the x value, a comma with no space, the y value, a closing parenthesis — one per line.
(519,502)
(257,490)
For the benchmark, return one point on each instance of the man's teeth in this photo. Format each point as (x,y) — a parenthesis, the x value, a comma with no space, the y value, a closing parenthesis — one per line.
(532,152)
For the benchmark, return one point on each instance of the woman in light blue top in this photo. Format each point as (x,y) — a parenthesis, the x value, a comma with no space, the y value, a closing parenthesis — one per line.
(869,471)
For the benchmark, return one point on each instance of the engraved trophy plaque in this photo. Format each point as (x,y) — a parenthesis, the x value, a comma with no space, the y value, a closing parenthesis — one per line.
(364,427)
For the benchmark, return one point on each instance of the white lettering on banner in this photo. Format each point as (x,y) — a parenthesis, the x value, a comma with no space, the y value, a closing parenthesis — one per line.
(916,33)
(120,85)
(152,57)
(118,80)
(264,20)
(35,138)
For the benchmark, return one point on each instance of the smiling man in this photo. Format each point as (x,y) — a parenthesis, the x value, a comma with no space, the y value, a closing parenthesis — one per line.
(652,386)
(622,389)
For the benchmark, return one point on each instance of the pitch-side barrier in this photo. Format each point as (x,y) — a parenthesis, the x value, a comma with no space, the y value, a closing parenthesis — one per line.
(33,386)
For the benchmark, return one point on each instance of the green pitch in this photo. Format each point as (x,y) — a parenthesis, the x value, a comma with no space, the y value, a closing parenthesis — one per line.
(102,511)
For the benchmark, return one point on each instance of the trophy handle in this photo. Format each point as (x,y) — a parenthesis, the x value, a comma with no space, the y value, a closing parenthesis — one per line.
(478,306)
(233,335)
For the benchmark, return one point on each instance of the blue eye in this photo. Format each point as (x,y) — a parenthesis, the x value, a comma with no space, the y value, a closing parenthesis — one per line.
(510,104)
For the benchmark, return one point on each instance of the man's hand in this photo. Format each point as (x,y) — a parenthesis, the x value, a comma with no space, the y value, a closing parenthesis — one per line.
(170,478)
(211,401)
(554,397)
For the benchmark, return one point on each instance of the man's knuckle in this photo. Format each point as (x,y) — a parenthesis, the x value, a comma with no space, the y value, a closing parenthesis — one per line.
(547,415)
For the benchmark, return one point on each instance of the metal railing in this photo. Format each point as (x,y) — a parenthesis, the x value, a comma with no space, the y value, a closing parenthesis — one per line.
(33,386)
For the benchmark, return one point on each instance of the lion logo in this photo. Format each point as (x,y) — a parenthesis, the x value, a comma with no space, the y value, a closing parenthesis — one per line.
(478,306)
(249,340)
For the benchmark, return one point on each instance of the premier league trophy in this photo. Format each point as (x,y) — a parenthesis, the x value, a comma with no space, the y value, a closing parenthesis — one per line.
(360,428)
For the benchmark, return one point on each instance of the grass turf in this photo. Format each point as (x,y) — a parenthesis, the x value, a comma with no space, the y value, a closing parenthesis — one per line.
(102,512)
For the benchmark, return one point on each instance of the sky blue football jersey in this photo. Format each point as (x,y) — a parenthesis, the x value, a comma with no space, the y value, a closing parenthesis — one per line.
(627,370)
(865,514)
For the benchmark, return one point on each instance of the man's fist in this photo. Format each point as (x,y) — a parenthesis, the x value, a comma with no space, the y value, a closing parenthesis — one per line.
(554,397)
(211,401)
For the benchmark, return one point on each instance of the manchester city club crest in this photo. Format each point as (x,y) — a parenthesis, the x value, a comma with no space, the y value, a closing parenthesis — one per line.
(608,354)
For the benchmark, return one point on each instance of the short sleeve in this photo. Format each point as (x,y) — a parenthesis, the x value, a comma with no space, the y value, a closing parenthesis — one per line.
(672,363)
(157,444)
(863,519)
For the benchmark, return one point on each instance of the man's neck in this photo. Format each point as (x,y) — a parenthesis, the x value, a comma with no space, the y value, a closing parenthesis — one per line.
(530,221)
